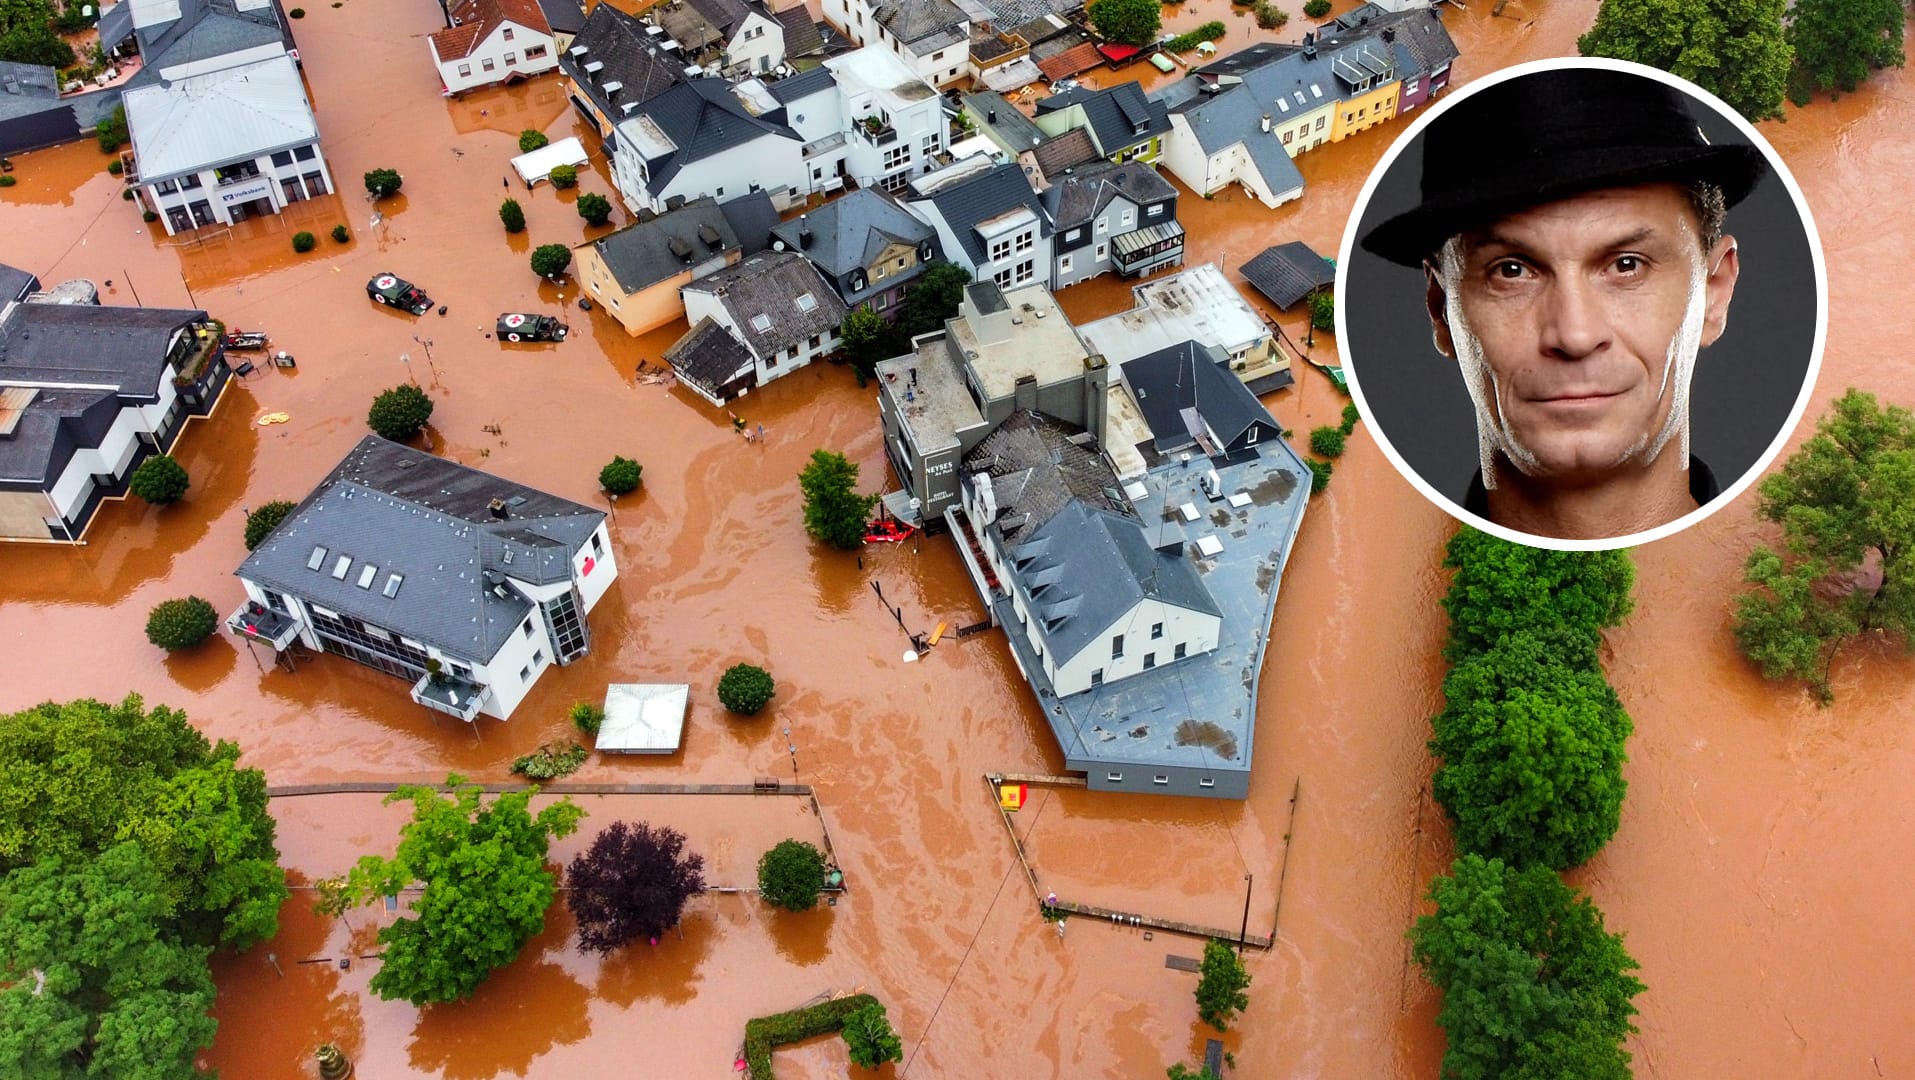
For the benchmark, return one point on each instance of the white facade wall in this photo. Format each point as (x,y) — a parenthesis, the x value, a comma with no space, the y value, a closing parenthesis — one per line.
(700,305)
(1185,157)
(528,52)
(1197,631)
(769,162)
(758,45)
(1011,270)
(220,199)
(116,450)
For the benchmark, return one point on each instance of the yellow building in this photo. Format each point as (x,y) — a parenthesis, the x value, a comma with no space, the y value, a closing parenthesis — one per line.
(1370,88)
(636,272)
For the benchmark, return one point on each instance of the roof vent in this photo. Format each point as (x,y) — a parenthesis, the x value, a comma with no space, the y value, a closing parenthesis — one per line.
(680,248)
(497,506)
(804,232)
(613,87)
(710,237)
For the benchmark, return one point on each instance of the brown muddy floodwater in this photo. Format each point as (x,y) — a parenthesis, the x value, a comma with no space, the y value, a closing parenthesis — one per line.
(1748,873)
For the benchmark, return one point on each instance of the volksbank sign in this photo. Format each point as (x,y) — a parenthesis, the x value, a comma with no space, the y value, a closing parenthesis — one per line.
(246,192)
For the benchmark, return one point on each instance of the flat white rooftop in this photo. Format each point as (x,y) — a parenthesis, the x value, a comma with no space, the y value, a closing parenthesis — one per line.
(643,718)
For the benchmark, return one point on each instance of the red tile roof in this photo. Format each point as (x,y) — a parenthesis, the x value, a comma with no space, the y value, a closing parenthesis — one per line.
(1070,62)
(478,18)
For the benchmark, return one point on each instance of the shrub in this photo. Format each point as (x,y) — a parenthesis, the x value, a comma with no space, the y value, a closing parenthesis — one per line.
(1316,9)
(340,234)
(1270,16)
(621,476)
(531,139)
(111,131)
(596,209)
(766,1033)
(1220,989)
(791,875)
(125,193)
(869,1039)
(261,522)
(304,242)
(400,413)
(115,167)
(745,689)
(587,717)
(551,761)
(512,215)
(160,480)
(148,216)
(1319,475)
(9,181)
(550,260)
(1327,442)
(1185,42)
(1350,417)
(297,13)
(181,624)
(563,176)
(1323,311)
(384,182)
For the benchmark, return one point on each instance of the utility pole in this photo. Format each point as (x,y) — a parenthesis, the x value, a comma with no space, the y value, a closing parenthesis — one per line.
(1243,932)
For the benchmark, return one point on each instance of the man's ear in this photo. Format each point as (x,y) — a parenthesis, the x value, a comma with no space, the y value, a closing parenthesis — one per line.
(1437,301)
(1724,266)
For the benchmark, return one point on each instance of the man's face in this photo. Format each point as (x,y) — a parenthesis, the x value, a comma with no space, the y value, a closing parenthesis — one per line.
(1577,323)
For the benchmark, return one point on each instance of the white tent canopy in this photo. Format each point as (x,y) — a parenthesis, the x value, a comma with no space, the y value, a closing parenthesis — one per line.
(538,164)
(643,718)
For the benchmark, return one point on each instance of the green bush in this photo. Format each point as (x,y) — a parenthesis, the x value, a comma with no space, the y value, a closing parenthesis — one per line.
(766,1033)
(297,13)
(115,167)
(550,260)
(587,717)
(383,182)
(1323,310)
(563,176)
(304,242)
(160,480)
(261,522)
(1350,417)
(531,139)
(1270,16)
(596,209)
(1316,9)
(512,215)
(1327,442)
(125,193)
(148,216)
(1319,475)
(621,477)
(9,181)
(400,413)
(869,1039)
(551,761)
(745,689)
(340,234)
(1185,42)
(181,624)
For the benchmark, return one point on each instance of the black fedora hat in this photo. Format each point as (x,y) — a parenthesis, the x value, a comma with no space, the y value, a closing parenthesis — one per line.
(1549,135)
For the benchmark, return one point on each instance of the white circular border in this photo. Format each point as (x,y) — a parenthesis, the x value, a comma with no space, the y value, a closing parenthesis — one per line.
(1776,165)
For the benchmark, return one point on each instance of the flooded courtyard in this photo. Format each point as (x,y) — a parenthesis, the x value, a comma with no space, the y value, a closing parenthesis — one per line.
(1743,875)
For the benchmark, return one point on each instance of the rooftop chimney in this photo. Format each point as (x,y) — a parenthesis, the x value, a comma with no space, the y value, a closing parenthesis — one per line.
(991,116)
(1266,122)
(1389,34)
(497,506)
(804,232)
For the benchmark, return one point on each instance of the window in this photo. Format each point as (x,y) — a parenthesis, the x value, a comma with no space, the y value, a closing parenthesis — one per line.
(1206,782)
(1286,138)
(807,302)
(1349,117)
(1155,211)
(1360,113)
(317,560)
(508,33)
(1102,227)
(901,260)
(340,567)
(1073,235)
(465,71)
(1000,250)
(1250,436)
(1130,216)
(315,184)
(304,153)
(1411,86)
(1096,677)
(1150,660)
(538,657)
(761,323)
(487,64)
(535,52)
(188,183)
(938,57)
(1320,120)
(511,59)
(817,172)
(1181,651)
(1024,241)
(366,575)
(1026,270)
(598,548)
(292,191)
(721,193)
(1156,631)
(1117,647)
(525,628)
(815,342)
(525,674)
(1063,264)
(165,187)
(884,301)
(929,146)
(897,157)
(1160,778)
(393,581)
(1102,249)
(1114,777)
(284,157)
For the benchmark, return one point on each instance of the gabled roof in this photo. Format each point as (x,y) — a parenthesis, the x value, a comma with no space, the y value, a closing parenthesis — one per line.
(237,112)
(924,24)
(963,204)
(847,233)
(206,29)
(710,357)
(802,85)
(1172,384)
(1289,272)
(752,217)
(726,15)
(1120,116)
(642,255)
(1038,465)
(122,349)
(563,16)
(427,520)
(991,112)
(1081,57)
(51,427)
(1246,60)
(1074,147)
(766,297)
(801,32)
(477,19)
(698,119)
(1080,196)
(627,55)
(116,25)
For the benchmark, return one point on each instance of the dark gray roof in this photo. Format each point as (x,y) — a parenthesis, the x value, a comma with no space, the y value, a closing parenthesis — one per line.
(1245,60)
(849,232)
(1190,376)
(1037,469)
(564,16)
(803,85)
(26,89)
(703,118)
(801,32)
(966,202)
(15,283)
(427,519)
(1065,151)
(206,29)
(725,15)
(123,348)
(116,25)
(751,217)
(924,23)
(1023,12)
(642,255)
(709,356)
(1357,16)
(53,426)
(1083,194)
(632,58)
(1418,31)
(1289,272)
(773,284)
(1120,116)
(988,109)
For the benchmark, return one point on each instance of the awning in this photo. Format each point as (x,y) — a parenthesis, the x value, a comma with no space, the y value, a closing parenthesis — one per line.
(1117,54)
(538,164)
(1131,243)
(643,718)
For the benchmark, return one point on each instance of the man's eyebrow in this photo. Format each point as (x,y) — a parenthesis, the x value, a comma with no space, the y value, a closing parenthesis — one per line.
(1492,238)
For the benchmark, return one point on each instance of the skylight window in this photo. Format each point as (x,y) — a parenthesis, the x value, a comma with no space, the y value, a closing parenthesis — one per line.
(1283,105)
(393,582)
(761,323)
(1316,91)
(366,573)
(1299,94)
(318,558)
(339,568)
(807,302)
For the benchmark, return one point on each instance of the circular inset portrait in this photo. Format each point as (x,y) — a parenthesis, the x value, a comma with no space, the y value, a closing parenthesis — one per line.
(1581,304)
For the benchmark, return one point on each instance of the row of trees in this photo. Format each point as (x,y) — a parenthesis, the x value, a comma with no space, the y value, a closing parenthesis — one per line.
(1753,53)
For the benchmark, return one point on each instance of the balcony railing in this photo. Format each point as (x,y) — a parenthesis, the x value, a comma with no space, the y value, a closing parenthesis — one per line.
(884,134)
(1148,247)
(237,178)
(260,623)
(450,695)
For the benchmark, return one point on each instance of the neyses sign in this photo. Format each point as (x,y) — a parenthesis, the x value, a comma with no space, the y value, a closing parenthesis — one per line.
(246,192)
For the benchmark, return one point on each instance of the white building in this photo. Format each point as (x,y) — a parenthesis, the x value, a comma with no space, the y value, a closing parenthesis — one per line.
(761,319)
(989,220)
(932,36)
(182,38)
(893,120)
(700,139)
(466,585)
(221,147)
(492,41)
(735,36)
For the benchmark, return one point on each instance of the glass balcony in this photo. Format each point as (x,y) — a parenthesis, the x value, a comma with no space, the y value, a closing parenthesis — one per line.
(451,695)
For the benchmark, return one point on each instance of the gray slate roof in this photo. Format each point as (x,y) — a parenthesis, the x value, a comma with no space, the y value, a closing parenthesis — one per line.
(1119,116)
(924,24)
(990,111)
(1289,272)
(564,16)
(1065,151)
(116,25)
(641,255)
(709,356)
(703,118)
(751,217)
(1419,32)
(1192,376)
(123,348)
(54,425)
(803,85)
(26,89)
(206,29)
(772,284)
(801,32)
(631,57)
(15,283)
(980,198)
(1036,471)
(847,233)
(427,519)
(1079,197)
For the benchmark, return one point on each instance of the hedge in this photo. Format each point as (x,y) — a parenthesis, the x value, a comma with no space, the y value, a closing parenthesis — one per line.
(1209,31)
(768,1033)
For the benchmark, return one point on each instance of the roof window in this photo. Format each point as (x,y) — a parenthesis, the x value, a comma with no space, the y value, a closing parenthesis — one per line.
(340,567)
(318,558)
(761,323)
(393,581)
(366,573)
(807,302)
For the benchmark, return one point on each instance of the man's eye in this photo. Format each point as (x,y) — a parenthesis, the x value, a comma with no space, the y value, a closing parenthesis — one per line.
(1629,264)
(1508,269)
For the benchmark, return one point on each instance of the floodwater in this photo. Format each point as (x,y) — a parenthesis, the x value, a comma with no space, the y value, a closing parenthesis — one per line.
(1738,872)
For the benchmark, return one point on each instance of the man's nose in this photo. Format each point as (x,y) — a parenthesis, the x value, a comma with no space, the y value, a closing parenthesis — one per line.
(1574,324)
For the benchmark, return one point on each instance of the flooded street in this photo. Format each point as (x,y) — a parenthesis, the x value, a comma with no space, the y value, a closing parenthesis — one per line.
(1744,873)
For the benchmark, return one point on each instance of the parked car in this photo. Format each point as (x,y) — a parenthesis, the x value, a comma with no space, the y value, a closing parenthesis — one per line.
(517,326)
(394,291)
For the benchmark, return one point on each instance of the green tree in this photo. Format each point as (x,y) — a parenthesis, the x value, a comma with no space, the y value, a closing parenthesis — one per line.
(181,624)
(1350,417)
(400,413)
(1132,22)
(486,888)
(383,182)
(745,689)
(1846,566)
(931,299)
(96,982)
(1327,441)
(1531,741)
(1221,983)
(1735,49)
(550,260)
(869,1038)
(1837,43)
(160,480)
(868,338)
(621,476)
(1533,985)
(791,875)
(531,139)
(1316,9)
(340,234)
(35,45)
(834,511)
(260,523)
(1500,587)
(1323,310)
(82,776)
(304,242)
(563,176)
(596,209)
(512,216)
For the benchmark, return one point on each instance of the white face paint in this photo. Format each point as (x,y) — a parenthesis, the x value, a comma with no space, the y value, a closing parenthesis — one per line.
(1493,432)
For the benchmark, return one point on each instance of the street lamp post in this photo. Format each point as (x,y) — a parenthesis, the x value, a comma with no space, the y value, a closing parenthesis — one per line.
(1243,932)
(917,539)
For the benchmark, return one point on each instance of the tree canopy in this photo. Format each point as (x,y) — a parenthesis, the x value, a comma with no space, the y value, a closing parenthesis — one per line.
(834,511)
(1500,587)
(596,209)
(383,182)
(181,624)
(1838,42)
(1735,49)
(400,413)
(1221,983)
(631,883)
(868,338)
(1533,985)
(1131,22)
(868,1038)
(261,522)
(791,875)
(486,887)
(621,476)
(160,480)
(1846,565)
(745,689)
(931,299)
(550,260)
